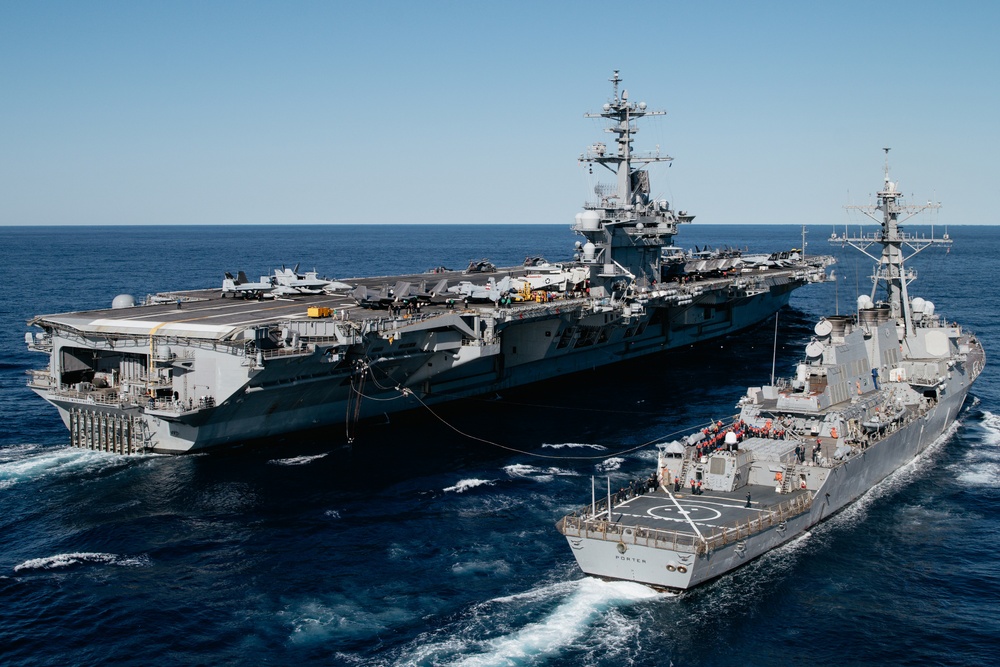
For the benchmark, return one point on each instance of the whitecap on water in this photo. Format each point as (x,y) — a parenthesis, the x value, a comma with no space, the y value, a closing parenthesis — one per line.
(573,445)
(991,428)
(578,605)
(520,470)
(296,460)
(28,462)
(607,465)
(66,560)
(464,485)
(524,470)
(980,467)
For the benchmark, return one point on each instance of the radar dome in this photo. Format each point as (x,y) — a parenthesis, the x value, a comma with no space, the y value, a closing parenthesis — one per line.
(823,327)
(590,220)
(123,301)
(918,305)
(865,301)
(929,308)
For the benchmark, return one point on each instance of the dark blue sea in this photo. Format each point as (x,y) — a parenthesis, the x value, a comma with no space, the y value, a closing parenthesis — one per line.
(432,541)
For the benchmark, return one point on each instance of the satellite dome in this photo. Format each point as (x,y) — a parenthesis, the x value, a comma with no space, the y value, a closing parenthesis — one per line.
(123,301)
(590,220)
(814,349)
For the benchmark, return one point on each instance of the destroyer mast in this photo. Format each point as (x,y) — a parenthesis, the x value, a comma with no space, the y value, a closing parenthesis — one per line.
(890,267)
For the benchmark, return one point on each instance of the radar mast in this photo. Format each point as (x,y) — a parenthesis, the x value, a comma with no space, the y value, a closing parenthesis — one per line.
(890,267)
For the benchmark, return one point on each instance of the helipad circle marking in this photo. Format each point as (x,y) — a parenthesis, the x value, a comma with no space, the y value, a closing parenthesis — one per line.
(693,512)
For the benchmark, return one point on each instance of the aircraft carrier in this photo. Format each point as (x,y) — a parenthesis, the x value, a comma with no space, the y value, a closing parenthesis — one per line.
(873,391)
(194,369)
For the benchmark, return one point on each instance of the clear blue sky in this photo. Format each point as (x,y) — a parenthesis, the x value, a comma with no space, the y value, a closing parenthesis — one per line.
(344,112)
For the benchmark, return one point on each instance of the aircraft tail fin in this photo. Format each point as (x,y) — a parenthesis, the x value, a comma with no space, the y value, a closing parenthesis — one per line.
(401,290)
(359,293)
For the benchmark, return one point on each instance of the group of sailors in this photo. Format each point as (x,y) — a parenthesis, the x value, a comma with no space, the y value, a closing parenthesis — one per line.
(636,487)
(800,451)
(714,436)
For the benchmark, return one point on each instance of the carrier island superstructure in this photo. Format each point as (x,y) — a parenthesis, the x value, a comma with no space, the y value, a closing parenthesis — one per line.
(194,369)
(873,390)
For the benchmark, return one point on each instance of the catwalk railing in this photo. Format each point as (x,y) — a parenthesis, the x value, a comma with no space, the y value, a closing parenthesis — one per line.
(582,524)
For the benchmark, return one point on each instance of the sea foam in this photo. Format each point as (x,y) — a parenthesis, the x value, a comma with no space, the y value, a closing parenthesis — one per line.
(464,485)
(584,602)
(29,462)
(296,460)
(66,560)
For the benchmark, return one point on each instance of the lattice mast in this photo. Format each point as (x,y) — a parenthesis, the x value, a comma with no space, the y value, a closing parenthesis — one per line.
(890,268)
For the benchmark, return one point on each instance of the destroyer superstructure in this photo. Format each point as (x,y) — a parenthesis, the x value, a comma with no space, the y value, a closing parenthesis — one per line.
(194,369)
(873,391)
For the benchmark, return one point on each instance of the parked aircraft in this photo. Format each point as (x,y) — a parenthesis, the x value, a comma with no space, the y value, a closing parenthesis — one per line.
(290,281)
(241,286)
(491,291)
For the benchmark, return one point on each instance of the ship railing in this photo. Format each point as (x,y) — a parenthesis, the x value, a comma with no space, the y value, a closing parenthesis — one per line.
(583,524)
(111,399)
(519,311)
(178,406)
(592,528)
(287,352)
(768,517)
(40,379)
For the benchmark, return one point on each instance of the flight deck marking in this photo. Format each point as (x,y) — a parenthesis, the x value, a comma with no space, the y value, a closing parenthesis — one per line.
(685,511)
(684,522)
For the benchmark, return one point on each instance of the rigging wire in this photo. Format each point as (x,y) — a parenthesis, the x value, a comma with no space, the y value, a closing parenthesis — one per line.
(407,392)
(533,404)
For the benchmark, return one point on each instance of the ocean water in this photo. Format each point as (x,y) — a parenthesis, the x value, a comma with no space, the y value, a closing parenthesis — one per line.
(430,540)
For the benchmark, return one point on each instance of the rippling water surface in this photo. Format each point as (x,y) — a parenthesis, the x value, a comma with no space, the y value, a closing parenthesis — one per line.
(418,545)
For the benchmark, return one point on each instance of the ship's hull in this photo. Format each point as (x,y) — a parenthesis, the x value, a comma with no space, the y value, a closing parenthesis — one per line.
(632,558)
(302,392)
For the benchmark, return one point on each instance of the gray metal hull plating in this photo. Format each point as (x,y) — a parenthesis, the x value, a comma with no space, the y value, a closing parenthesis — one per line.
(846,484)
(303,392)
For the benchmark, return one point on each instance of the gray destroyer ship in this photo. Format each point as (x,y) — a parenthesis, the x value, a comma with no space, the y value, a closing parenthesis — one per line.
(193,369)
(872,392)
